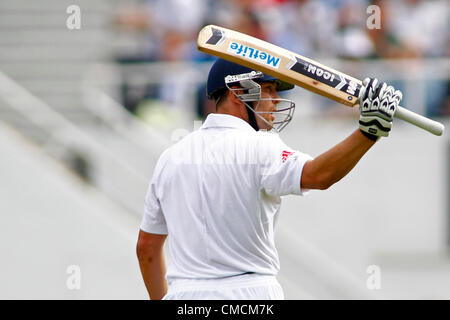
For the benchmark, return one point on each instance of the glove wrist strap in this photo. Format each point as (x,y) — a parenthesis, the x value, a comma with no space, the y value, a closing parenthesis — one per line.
(370,136)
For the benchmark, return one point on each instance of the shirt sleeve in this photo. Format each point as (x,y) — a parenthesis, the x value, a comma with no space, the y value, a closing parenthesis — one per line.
(153,220)
(281,167)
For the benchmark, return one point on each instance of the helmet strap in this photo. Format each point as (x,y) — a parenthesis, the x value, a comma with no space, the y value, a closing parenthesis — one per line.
(252,118)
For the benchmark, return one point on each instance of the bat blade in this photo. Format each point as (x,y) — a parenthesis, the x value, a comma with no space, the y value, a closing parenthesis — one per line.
(293,68)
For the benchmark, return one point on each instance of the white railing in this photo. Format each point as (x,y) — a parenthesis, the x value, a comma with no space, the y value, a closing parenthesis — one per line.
(63,134)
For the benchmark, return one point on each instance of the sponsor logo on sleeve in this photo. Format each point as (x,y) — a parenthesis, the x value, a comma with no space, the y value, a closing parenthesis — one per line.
(285,155)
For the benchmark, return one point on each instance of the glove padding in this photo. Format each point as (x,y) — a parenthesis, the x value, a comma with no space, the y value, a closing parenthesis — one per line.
(377,105)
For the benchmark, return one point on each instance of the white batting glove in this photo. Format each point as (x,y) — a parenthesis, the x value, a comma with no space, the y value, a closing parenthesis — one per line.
(377,105)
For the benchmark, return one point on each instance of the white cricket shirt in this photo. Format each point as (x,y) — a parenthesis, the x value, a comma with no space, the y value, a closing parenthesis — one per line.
(216,193)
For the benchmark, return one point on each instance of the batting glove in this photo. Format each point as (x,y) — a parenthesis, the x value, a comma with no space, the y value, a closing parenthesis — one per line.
(377,105)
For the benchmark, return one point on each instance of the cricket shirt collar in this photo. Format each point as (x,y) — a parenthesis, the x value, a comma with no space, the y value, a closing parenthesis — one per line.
(220,120)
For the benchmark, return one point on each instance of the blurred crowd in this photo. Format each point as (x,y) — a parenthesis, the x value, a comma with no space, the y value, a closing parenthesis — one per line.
(316,29)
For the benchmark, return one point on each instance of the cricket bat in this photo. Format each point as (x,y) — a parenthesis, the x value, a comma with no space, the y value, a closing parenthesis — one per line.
(294,68)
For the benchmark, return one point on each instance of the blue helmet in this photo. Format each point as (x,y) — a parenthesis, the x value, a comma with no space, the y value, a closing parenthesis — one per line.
(222,68)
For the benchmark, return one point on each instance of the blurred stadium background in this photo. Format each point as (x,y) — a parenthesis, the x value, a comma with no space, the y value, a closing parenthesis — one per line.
(84,115)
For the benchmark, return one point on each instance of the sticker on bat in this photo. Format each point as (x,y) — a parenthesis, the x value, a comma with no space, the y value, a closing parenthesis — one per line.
(254,55)
(217,37)
(325,76)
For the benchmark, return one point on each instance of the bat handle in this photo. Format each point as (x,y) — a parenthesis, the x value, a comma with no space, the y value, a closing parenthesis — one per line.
(432,126)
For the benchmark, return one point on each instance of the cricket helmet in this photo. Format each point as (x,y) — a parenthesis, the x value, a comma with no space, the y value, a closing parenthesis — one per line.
(224,74)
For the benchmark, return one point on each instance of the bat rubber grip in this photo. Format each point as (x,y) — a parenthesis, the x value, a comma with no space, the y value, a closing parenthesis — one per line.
(429,125)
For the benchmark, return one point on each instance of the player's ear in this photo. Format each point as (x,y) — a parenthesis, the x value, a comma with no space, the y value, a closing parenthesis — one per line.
(232,95)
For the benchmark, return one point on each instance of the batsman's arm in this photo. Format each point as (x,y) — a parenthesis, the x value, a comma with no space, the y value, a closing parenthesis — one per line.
(334,164)
(150,254)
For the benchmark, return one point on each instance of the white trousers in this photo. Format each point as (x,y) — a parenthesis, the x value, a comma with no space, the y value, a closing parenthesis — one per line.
(241,287)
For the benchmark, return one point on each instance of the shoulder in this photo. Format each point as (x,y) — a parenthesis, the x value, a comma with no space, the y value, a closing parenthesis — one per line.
(270,141)
(269,136)
(182,150)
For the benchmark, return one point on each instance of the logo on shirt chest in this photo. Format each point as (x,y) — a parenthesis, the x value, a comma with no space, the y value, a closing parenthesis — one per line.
(284,155)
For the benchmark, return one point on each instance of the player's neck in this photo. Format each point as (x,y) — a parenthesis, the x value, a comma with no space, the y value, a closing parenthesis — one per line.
(233,111)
